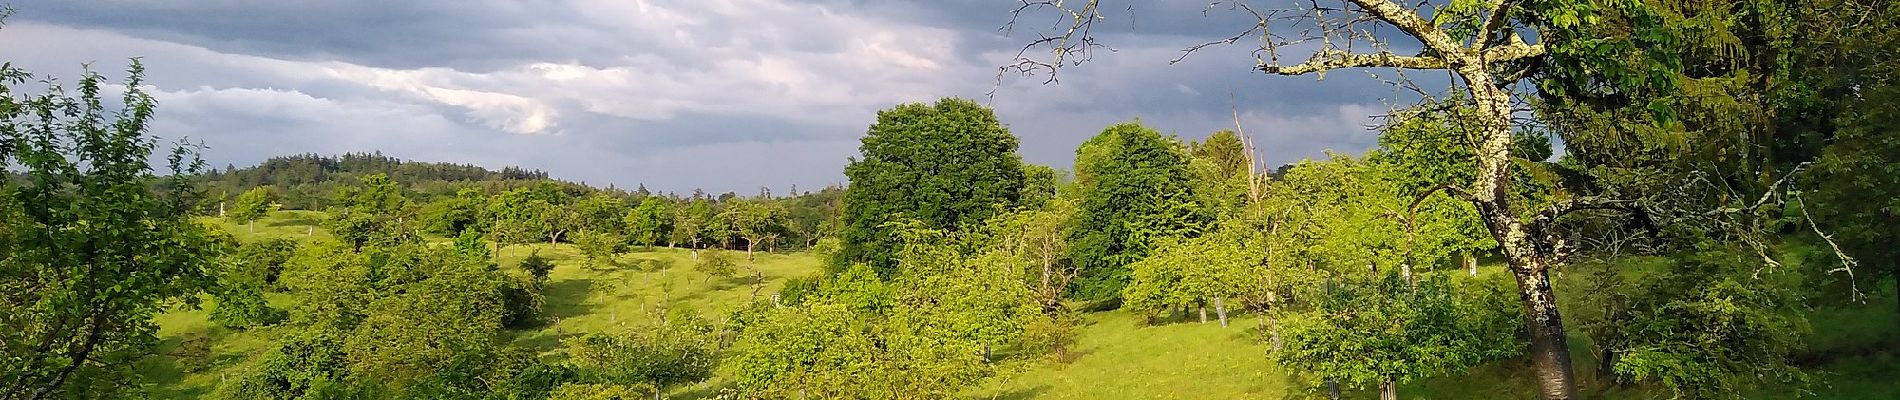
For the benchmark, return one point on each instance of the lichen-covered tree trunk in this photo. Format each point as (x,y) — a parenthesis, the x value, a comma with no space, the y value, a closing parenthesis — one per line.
(1528,259)
(1388,390)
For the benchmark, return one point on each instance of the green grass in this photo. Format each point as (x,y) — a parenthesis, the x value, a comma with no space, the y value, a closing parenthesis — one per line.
(1118,356)
(297,224)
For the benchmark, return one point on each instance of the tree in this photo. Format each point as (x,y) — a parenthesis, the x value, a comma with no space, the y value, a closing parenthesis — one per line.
(93,244)
(715,263)
(689,226)
(375,213)
(949,164)
(1483,44)
(600,212)
(1383,330)
(649,222)
(599,247)
(1858,174)
(451,216)
(657,357)
(1134,189)
(537,267)
(524,215)
(755,221)
(250,206)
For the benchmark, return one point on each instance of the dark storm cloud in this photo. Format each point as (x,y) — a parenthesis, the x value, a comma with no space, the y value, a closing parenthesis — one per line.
(717,94)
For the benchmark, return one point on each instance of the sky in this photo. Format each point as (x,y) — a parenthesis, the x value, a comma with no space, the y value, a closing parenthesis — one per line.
(720,95)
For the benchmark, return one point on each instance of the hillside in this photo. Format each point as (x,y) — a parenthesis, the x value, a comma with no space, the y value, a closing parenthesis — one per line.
(196,355)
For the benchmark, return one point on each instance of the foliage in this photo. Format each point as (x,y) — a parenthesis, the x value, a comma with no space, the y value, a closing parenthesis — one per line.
(250,206)
(648,223)
(302,365)
(92,243)
(1713,324)
(537,267)
(950,165)
(1134,193)
(600,247)
(1383,329)
(656,357)
(821,350)
(451,216)
(600,212)
(376,213)
(715,263)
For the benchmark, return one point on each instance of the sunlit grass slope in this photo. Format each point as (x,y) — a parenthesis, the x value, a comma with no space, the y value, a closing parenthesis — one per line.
(581,298)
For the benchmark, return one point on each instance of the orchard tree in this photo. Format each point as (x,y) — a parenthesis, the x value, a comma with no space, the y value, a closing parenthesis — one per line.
(599,247)
(375,213)
(93,244)
(1490,47)
(949,164)
(515,217)
(1382,330)
(755,221)
(1859,172)
(600,212)
(689,224)
(251,206)
(649,222)
(453,215)
(715,264)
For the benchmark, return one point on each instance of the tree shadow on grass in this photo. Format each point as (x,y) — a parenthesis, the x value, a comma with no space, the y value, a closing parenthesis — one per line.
(567,298)
(295,220)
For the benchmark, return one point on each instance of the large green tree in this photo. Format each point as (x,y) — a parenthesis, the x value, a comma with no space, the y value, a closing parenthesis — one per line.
(93,245)
(949,164)
(649,222)
(1135,191)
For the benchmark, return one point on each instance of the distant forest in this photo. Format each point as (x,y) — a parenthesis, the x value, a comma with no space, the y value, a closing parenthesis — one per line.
(313,182)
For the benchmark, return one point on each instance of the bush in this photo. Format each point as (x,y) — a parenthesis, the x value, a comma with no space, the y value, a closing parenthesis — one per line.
(715,263)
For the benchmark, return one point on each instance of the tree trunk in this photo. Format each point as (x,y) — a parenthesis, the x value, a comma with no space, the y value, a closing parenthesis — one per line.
(1410,280)
(1471,263)
(1549,348)
(1388,390)
(1332,389)
(253,226)
(1203,308)
(1528,259)
(1220,308)
(1275,325)
(748,249)
(310,230)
